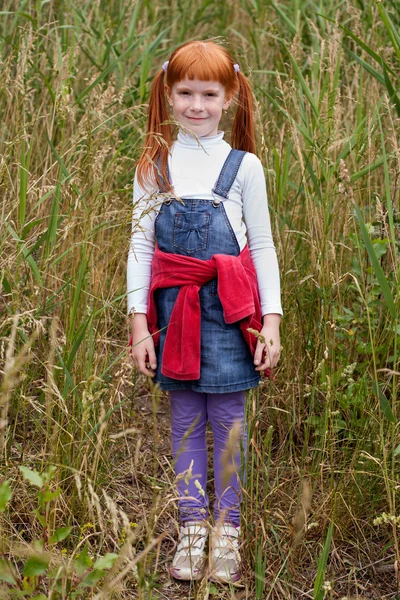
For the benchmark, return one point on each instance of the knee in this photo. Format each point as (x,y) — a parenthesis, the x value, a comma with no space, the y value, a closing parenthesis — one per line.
(226,411)
(189,427)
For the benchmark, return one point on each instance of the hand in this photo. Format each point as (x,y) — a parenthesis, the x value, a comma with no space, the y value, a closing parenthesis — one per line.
(142,352)
(267,354)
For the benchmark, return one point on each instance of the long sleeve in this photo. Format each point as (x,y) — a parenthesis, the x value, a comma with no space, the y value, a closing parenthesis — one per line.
(141,248)
(259,234)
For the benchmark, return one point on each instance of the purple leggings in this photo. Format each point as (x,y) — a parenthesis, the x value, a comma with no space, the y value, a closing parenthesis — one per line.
(190,412)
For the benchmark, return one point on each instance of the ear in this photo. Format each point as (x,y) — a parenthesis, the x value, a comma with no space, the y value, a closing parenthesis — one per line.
(228,102)
(168,94)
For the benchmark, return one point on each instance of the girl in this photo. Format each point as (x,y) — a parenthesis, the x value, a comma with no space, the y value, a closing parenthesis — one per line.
(202,272)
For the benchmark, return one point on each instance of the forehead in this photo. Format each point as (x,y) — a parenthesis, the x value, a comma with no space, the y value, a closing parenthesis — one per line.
(197,85)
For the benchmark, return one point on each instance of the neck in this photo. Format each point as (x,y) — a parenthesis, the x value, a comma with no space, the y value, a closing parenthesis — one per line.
(185,138)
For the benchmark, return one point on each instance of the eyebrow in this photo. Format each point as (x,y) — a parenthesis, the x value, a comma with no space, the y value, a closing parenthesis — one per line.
(183,87)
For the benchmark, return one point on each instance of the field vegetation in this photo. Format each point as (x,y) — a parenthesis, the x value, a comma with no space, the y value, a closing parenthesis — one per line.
(87,498)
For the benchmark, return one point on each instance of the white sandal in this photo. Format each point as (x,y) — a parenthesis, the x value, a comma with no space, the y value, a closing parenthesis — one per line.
(224,563)
(189,560)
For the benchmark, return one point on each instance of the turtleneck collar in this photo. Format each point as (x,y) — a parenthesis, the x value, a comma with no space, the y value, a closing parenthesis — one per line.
(189,141)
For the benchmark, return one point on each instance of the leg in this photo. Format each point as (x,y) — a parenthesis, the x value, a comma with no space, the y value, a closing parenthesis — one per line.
(188,425)
(224,410)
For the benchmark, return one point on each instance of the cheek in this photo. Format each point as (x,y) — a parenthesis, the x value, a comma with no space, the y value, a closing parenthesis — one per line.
(180,103)
(217,110)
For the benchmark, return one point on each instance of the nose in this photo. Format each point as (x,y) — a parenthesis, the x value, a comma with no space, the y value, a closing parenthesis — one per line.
(196,103)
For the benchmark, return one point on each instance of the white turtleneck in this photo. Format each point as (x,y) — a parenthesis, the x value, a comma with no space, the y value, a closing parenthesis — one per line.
(194,168)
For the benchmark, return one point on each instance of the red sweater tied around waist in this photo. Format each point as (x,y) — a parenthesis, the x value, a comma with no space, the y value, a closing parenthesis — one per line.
(237,291)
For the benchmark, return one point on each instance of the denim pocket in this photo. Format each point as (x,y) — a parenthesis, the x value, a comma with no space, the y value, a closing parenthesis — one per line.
(191,231)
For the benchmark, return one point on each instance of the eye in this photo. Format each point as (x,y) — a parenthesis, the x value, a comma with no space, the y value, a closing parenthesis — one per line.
(212,94)
(184,93)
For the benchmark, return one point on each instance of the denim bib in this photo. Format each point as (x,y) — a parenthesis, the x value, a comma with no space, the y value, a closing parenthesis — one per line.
(200,229)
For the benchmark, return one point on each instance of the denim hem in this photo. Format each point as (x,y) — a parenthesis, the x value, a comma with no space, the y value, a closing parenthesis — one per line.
(210,389)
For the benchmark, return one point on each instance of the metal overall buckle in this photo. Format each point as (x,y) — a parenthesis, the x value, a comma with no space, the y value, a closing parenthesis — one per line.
(216,201)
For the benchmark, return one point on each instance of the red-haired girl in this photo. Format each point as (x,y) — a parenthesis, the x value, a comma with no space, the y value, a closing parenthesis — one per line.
(202,272)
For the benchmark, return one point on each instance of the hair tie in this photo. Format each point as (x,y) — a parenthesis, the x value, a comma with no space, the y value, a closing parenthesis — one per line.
(165,66)
(236,67)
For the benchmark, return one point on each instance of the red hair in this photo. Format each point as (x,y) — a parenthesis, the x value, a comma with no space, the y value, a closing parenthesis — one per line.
(207,61)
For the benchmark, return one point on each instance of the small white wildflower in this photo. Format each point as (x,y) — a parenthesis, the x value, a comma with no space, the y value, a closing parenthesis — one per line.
(387,519)
(198,486)
(327,586)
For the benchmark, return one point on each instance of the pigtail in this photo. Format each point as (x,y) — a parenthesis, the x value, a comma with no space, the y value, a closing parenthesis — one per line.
(242,137)
(152,165)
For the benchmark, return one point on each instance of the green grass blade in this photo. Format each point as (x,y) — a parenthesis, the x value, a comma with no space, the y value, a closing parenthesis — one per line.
(51,234)
(111,43)
(366,48)
(304,86)
(380,275)
(384,403)
(26,254)
(389,205)
(69,383)
(299,126)
(56,298)
(77,340)
(319,592)
(23,182)
(390,28)
(6,285)
(78,290)
(314,179)
(393,97)
(367,66)
(366,170)
(106,71)
(20,14)
(60,161)
(260,568)
(291,26)
(133,21)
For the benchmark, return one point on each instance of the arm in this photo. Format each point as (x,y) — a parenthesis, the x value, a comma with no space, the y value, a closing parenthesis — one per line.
(140,255)
(141,249)
(262,249)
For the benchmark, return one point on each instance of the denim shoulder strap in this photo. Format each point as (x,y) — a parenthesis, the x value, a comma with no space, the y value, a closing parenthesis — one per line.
(163,189)
(228,173)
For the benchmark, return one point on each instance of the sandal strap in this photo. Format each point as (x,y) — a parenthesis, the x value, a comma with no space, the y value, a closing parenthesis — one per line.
(193,538)
(225,542)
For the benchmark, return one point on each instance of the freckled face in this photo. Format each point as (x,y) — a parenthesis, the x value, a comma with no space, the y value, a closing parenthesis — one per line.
(198,105)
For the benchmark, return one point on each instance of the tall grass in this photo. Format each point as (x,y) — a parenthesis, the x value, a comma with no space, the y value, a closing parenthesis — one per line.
(320,511)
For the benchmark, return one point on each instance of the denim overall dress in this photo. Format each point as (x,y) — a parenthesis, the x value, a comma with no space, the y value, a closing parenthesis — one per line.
(200,229)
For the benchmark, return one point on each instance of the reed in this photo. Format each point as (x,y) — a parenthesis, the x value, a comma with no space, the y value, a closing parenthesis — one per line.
(87,496)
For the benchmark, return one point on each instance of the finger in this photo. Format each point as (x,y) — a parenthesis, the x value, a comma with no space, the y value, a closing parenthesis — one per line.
(265,361)
(275,361)
(152,358)
(270,361)
(149,372)
(258,353)
(145,368)
(139,360)
(263,367)
(274,357)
